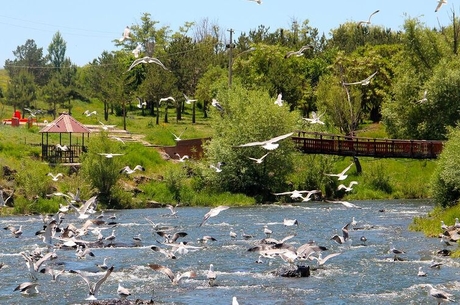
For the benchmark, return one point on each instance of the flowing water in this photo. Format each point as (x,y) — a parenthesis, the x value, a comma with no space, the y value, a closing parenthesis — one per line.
(361,274)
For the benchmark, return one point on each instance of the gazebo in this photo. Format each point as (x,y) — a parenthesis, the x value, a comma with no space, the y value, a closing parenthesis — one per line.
(68,152)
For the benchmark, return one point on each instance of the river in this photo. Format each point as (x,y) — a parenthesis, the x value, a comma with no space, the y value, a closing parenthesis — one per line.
(361,274)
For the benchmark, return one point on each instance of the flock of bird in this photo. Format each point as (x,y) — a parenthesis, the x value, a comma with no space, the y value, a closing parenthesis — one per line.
(78,227)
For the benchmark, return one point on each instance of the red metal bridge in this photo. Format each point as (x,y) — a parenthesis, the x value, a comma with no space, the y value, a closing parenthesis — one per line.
(322,143)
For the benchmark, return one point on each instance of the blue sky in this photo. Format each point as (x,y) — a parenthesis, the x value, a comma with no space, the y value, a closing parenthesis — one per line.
(89,27)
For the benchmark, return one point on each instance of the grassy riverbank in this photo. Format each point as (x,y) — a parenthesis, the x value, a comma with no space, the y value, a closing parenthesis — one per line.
(167,181)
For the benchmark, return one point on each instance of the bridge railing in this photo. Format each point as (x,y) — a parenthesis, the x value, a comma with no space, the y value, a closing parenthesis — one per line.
(322,143)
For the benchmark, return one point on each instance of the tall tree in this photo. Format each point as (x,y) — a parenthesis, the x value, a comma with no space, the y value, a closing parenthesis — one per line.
(56,50)
(29,57)
(21,90)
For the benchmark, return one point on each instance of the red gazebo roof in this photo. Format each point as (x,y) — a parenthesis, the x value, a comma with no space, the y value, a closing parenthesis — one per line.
(65,124)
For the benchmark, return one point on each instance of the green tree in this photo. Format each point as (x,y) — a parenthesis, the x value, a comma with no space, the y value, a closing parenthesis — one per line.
(31,58)
(446,178)
(21,90)
(54,93)
(101,172)
(249,116)
(56,50)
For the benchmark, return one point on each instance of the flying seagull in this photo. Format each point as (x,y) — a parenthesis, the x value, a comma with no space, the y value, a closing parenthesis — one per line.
(110,155)
(90,113)
(299,52)
(341,175)
(424,98)
(279,100)
(175,278)
(259,160)
(368,21)
(270,144)
(129,171)
(106,127)
(213,212)
(347,188)
(93,289)
(137,51)
(178,137)
(256,1)
(27,288)
(188,100)
(125,34)
(315,119)
(216,167)
(147,60)
(141,104)
(55,177)
(363,82)
(440,3)
(165,99)
(183,158)
(345,203)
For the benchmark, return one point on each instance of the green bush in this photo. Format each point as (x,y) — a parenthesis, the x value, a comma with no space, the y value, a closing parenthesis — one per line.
(446,177)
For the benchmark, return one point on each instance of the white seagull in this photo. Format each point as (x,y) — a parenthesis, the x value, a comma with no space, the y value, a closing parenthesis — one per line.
(137,51)
(290,222)
(270,144)
(122,291)
(424,98)
(61,147)
(421,272)
(55,177)
(188,100)
(125,34)
(106,127)
(165,99)
(93,289)
(440,3)
(259,160)
(213,212)
(297,194)
(216,167)
(315,119)
(183,158)
(341,175)
(147,60)
(175,278)
(3,202)
(27,288)
(256,1)
(178,137)
(141,104)
(128,170)
(279,100)
(439,295)
(363,82)
(211,275)
(216,104)
(347,188)
(297,53)
(344,238)
(320,260)
(368,21)
(234,300)
(90,113)
(110,155)
(345,203)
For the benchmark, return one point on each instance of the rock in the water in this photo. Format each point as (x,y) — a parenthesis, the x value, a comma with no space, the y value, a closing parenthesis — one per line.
(292,271)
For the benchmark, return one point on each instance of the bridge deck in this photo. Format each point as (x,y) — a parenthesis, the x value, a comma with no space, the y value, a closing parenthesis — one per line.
(321,143)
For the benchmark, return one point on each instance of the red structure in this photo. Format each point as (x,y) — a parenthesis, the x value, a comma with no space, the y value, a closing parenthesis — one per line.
(16,120)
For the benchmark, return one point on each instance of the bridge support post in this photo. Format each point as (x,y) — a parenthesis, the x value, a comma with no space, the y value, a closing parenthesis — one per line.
(359,169)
